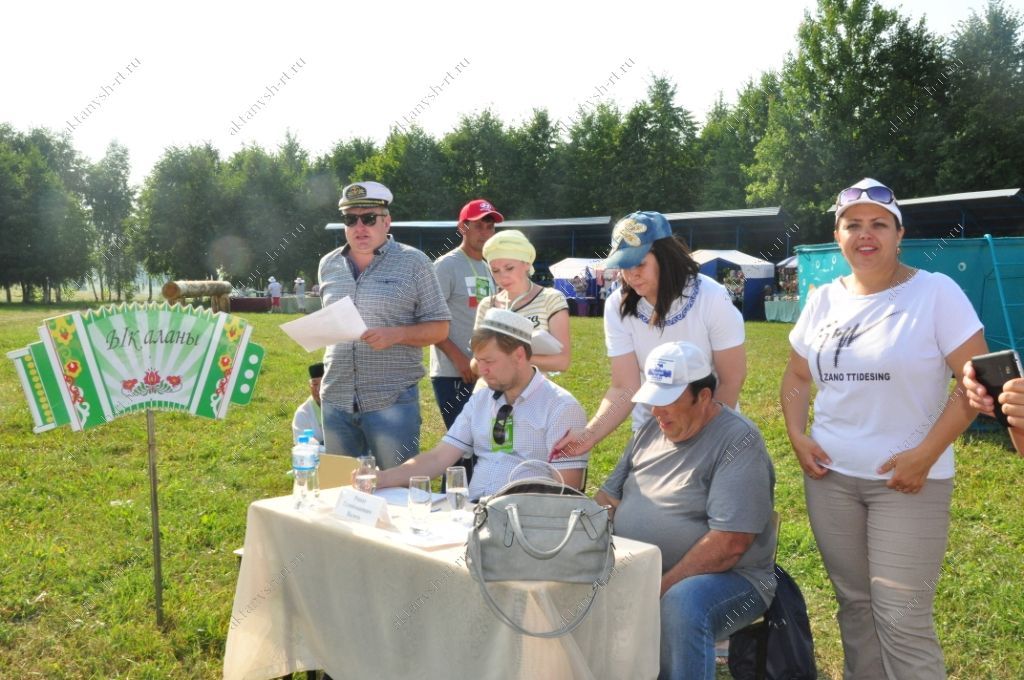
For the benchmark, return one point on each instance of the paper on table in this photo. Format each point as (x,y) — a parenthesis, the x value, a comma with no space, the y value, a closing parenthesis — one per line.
(545,343)
(399,495)
(441,533)
(334,323)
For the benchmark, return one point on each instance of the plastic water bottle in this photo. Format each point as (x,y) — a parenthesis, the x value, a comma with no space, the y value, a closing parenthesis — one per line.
(303,468)
(318,448)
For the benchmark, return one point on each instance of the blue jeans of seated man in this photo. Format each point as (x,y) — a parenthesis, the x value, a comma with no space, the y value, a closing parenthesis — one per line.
(391,434)
(697,611)
(452,394)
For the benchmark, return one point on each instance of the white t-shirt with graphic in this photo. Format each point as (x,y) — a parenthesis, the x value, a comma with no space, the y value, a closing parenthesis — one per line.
(703,315)
(879,362)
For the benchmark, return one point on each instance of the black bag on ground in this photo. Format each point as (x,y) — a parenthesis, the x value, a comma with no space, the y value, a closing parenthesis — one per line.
(790,645)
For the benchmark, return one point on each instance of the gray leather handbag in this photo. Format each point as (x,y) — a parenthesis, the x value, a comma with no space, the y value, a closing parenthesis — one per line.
(540,530)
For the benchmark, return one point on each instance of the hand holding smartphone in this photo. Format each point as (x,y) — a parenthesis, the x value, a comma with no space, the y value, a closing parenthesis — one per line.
(993,370)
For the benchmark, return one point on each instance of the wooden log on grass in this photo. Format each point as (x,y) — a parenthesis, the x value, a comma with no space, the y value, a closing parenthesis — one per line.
(218,292)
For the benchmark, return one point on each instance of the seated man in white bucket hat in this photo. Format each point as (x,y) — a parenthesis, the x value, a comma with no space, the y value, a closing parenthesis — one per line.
(518,417)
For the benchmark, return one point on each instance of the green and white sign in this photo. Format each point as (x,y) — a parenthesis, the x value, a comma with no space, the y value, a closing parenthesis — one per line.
(89,368)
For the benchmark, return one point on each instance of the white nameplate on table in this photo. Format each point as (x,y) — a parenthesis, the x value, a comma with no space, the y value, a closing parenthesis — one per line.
(360,507)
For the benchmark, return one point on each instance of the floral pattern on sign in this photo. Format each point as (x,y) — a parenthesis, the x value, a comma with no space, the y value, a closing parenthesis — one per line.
(150,383)
(63,330)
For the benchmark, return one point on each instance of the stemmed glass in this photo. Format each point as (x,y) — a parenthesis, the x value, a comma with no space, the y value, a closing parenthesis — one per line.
(366,474)
(458,492)
(420,502)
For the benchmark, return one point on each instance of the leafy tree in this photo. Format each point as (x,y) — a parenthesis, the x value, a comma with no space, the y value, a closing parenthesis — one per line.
(478,156)
(182,210)
(984,138)
(536,171)
(853,104)
(111,201)
(413,166)
(43,221)
(591,158)
(343,159)
(657,155)
(330,173)
(728,140)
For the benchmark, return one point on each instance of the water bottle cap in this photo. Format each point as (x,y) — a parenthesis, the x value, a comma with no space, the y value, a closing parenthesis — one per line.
(303,439)
(308,432)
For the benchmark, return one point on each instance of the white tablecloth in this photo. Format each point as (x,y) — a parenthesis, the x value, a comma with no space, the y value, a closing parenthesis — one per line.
(315,592)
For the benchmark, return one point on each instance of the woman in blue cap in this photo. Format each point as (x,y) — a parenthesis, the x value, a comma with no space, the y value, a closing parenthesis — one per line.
(663,298)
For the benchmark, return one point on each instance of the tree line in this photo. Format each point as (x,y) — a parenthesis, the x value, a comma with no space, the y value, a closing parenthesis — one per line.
(866,92)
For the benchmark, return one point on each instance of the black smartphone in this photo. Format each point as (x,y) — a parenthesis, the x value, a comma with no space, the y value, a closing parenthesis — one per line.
(993,370)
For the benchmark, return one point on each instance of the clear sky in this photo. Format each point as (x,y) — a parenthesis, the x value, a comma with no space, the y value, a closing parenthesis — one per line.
(189,72)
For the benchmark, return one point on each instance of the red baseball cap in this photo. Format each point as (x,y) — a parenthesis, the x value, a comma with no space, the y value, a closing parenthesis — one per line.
(477,210)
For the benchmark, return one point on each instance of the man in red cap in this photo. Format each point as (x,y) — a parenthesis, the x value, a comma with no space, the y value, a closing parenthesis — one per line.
(465,280)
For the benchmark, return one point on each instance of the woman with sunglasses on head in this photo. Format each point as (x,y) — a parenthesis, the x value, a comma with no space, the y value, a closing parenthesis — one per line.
(663,298)
(510,256)
(880,345)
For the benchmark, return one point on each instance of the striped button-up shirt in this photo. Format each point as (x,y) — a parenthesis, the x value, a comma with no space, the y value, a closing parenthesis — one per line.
(399,288)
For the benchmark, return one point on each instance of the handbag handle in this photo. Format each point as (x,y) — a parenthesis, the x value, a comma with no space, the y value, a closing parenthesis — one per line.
(476,568)
(546,465)
(512,510)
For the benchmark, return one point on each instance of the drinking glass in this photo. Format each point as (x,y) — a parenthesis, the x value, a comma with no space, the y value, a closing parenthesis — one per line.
(458,492)
(366,474)
(419,503)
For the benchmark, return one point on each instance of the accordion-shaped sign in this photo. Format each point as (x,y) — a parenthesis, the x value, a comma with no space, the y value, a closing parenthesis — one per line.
(89,368)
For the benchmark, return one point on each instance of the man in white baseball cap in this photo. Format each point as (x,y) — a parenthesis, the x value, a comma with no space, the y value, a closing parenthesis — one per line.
(696,481)
(369,394)
(519,417)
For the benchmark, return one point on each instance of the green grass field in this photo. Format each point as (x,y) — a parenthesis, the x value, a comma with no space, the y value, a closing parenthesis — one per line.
(76,563)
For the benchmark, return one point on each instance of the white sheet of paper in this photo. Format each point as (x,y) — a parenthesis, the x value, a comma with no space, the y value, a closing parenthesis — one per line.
(442,533)
(399,495)
(360,507)
(334,323)
(545,343)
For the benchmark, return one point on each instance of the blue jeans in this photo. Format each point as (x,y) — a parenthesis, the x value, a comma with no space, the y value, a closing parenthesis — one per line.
(392,434)
(451,394)
(697,611)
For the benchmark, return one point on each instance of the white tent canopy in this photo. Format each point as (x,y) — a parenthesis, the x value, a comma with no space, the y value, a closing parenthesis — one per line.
(788,263)
(752,267)
(572,267)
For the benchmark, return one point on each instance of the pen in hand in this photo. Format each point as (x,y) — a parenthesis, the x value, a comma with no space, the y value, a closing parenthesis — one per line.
(559,453)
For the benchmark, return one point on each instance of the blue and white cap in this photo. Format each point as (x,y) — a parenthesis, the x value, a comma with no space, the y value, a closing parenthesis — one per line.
(632,238)
(668,370)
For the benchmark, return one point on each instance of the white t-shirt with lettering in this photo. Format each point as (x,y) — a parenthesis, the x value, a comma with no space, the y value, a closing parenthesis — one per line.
(879,362)
(703,315)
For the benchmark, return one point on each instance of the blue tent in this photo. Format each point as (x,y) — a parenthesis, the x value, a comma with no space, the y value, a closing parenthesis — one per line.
(757,274)
(564,271)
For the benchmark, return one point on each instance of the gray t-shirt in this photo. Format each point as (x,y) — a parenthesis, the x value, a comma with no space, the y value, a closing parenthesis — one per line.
(673,493)
(462,279)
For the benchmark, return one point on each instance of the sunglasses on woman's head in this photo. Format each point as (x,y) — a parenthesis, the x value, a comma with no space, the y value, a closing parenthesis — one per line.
(369,219)
(877,194)
(499,424)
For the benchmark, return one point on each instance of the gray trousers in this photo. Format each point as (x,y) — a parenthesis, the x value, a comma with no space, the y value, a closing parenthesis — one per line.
(883,552)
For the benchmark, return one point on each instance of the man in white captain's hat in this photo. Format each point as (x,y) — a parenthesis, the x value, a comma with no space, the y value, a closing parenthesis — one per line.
(369,394)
